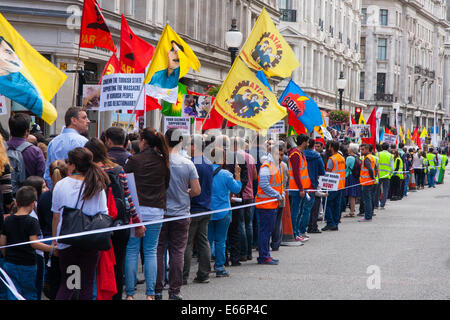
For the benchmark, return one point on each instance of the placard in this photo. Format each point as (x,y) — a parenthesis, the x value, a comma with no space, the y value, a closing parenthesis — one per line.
(277,128)
(389,138)
(91,97)
(120,91)
(329,181)
(359,131)
(195,106)
(184,124)
(3,106)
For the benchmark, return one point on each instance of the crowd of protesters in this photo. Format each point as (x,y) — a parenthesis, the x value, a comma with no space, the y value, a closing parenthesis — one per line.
(251,186)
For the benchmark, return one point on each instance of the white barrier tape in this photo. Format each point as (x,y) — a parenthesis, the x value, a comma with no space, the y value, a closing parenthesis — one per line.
(10,285)
(136,225)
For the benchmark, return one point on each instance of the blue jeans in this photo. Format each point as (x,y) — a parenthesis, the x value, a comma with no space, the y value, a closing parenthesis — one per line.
(333,211)
(150,244)
(24,278)
(247,230)
(405,191)
(431,176)
(367,198)
(295,203)
(305,212)
(267,218)
(217,236)
(386,184)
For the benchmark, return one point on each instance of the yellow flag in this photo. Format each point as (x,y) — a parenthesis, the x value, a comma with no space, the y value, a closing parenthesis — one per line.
(409,135)
(246,101)
(362,120)
(26,77)
(266,49)
(172,60)
(424,133)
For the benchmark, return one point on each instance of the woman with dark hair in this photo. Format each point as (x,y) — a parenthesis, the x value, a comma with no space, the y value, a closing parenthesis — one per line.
(124,204)
(38,183)
(58,171)
(86,182)
(152,175)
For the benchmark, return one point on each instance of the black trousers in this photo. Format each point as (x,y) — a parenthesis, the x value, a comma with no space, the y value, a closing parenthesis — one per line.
(120,241)
(314,214)
(234,237)
(396,187)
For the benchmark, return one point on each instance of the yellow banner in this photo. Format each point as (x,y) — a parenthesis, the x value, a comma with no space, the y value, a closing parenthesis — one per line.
(246,101)
(266,49)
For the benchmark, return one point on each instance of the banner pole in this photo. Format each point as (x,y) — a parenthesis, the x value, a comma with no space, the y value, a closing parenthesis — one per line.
(135,106)
(76,75)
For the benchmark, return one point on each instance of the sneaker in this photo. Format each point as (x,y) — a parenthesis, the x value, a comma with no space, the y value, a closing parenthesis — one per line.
(334,229)
(301,239)
(314,231)
(270,261)
(197,280)
(365,220)
(222,274)
(236,264)
(158,296)
(249,258)
(326,228)
(175,297)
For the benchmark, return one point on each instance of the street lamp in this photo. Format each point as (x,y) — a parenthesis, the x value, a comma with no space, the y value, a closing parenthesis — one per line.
(417,114)
(233,40)
(341,85)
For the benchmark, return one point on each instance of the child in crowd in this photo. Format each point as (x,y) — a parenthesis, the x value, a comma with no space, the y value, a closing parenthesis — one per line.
(20,261)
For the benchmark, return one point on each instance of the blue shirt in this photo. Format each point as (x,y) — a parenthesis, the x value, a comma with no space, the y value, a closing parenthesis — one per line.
(223,184)
(163,80)
(59,148)
(205,172)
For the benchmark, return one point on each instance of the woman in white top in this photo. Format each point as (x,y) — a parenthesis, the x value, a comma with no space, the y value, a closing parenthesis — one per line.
(82,172)
(419,172)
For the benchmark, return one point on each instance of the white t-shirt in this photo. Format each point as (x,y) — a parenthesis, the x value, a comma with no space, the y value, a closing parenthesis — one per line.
(417,162)
(65,194)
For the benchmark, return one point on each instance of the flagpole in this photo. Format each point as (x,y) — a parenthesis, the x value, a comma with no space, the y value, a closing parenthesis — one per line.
(76,74)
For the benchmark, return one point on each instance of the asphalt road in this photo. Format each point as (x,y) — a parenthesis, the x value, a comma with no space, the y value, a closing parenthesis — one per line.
(403,254)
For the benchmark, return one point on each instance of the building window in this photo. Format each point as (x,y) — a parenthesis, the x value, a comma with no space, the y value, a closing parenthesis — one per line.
(285,4)
(362,85)
(364,16)
(363,48)
(383,17)
(381,83)
(382,46)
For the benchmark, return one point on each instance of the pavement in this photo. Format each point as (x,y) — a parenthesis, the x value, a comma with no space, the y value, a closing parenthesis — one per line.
(402,254)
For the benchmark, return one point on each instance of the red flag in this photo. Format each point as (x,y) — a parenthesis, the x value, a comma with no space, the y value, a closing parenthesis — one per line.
(135,53)
(94,32)
(416,138)
(215,119)
(352,121)
(296,124)
(388,131)
(373,128)
(112,66)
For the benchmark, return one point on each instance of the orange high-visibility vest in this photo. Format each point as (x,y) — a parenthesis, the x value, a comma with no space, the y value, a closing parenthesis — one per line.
(365,178)
(304,174)
(276,182)
(339,168)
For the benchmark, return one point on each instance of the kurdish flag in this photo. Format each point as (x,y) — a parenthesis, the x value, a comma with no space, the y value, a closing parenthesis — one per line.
(172,60)
(26,77)
(175,109)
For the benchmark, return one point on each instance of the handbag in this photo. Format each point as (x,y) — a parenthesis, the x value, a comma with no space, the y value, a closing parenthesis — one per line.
(75,221)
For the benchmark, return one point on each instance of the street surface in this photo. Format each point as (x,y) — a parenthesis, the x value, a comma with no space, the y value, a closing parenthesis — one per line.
(408,243)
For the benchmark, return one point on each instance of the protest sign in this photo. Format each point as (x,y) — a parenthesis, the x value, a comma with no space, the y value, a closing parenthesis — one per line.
(196,106)
(359,131)
(120,91)
(91,97)
(389,138)
(329,182)
(3,105)
(184,124)
(277,128)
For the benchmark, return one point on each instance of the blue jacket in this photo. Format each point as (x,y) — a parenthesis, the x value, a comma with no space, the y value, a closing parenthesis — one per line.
(316,167)
(223,184)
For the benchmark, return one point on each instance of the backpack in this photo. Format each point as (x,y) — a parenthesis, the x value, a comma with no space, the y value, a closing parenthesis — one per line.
(356,171)
(118,193)
(18,173)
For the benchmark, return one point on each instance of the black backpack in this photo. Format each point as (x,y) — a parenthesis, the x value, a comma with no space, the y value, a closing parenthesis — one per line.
(123,214)
(356,171)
